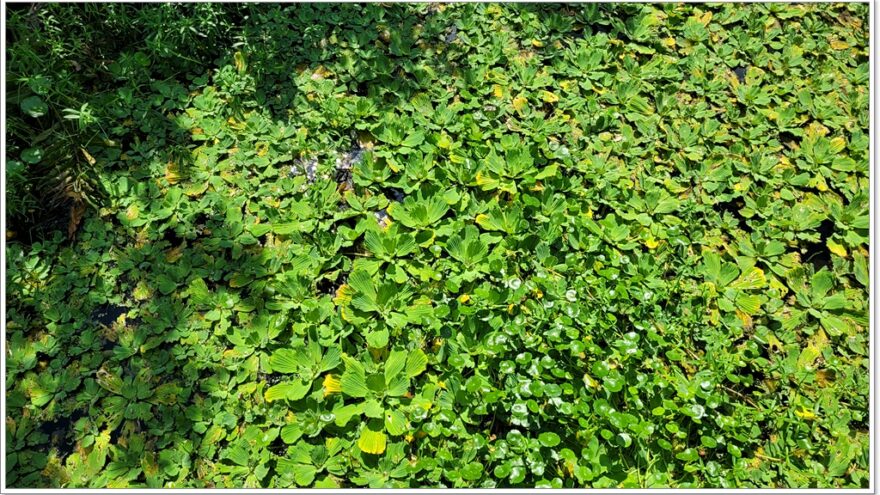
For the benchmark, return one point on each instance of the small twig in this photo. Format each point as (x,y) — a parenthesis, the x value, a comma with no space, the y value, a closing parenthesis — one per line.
(768,458)
(741,396)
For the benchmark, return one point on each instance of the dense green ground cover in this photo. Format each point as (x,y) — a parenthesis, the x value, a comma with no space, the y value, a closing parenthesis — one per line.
(417,245)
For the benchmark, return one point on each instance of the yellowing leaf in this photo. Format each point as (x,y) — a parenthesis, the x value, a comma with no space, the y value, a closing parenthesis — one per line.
(825,378)
(172,173)
(651,243)
(498,91)
(805,414)
(815,129)
(549,97)
(837,144)
(482,180)
(839,45)
(464,298)
(262,149)
(813,350)
(196,189)
(753,278)
(444,142)
(519,103)
(132,212)
(240,64)
(142,292)
(537,43)
(836,248)
(733,80)
(705,18)
(746,319)
(320,73)
(174,254)
(343,313)
(343,295)
(590,382)
(372,441)
(289,390)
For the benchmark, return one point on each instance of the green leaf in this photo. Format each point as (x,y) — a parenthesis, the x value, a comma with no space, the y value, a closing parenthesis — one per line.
(34,106)
(361,281)
(259,229)
(288,228)
(397,386)
(860,269)
(353,381)
(394,365)
(304,474)
(549,439)
(548,171)
(749,304)
(472,471)
(32,155)
(416,363)
(345,413)
(377,339)
(199,293)
(842,452)
(414,139)
(373,409)
(834,325)
(835,301)
(688,455)
(288,361)
(290,433)
(237,454)
(395,422)
(821,282)
(330,359)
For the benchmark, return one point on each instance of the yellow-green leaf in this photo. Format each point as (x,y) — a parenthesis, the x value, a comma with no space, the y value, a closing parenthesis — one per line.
(290,391)
(836,248)
(372,441)
(753,278)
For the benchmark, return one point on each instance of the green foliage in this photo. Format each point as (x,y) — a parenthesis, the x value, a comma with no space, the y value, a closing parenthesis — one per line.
(73,73)
(429,245)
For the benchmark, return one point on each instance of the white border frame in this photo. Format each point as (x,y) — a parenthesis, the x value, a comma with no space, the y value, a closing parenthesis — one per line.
(873,277)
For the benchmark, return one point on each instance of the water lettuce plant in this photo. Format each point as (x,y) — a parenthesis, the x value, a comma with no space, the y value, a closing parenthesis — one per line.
(444,245)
